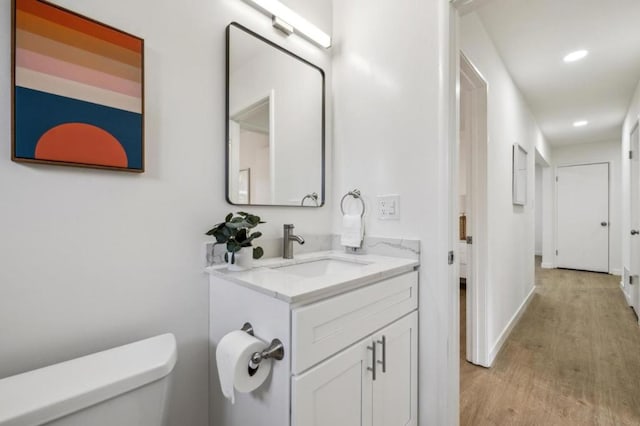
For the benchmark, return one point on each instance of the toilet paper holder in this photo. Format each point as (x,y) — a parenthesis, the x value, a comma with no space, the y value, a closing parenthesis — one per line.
(275,350)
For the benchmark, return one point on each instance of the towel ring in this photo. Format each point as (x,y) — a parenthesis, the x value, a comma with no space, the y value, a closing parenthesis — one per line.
(355,194)
(313,196)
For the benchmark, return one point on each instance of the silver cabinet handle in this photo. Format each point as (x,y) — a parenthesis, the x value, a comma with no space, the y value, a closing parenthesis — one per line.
(372,348)
(383,342)
(635,232)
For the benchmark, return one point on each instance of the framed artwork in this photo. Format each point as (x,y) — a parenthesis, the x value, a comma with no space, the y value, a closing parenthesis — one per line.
(78,90)
(519,164)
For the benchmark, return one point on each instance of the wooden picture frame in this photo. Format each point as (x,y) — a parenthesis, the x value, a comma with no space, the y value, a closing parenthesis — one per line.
(77,90)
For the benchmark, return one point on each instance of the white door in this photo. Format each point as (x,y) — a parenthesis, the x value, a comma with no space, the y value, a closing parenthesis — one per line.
(336,392)
(634,188)
(395,390)
(583,217)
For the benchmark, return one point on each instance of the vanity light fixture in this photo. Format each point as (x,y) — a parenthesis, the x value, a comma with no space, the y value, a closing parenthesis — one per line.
(287,21)
(282,25)
(580,123)
(575,56)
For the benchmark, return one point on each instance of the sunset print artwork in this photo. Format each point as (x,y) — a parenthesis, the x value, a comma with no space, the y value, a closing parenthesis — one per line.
(78,90)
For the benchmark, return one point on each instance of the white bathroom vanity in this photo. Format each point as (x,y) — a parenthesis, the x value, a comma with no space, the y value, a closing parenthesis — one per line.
(348,324)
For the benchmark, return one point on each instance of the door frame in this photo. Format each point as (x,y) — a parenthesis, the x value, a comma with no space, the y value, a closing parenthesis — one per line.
(555,210)
(478,351)
(270,99)
(630,290)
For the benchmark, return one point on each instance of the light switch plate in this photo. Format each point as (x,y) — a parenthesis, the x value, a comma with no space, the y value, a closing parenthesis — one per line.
(389,207)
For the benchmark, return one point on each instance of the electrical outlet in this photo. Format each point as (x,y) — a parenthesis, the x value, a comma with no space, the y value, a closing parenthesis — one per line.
(389,207)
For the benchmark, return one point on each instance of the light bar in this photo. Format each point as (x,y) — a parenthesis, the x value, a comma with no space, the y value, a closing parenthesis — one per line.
(280,12)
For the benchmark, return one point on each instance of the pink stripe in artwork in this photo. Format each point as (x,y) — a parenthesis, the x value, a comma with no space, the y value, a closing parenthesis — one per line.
(48,65)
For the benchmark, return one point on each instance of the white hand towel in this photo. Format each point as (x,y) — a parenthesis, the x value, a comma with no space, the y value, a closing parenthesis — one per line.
(352,231)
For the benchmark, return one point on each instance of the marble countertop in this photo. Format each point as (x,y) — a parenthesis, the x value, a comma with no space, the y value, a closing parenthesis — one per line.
(267,278)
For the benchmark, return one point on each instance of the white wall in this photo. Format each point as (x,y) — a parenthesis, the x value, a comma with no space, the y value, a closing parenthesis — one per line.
(92,259)
(598,153)
(391,137)
(538,202)
(510,228)
(630,120)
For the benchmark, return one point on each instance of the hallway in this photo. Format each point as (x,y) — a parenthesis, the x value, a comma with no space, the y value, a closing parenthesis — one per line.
(573,359)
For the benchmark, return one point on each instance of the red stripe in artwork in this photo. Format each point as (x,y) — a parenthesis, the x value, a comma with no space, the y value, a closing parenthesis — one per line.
(70,20)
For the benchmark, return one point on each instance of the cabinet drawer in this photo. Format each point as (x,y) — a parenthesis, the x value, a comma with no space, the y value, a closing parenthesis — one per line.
(324,328)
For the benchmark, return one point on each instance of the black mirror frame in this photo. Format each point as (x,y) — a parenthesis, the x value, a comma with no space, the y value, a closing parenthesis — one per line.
(226,144)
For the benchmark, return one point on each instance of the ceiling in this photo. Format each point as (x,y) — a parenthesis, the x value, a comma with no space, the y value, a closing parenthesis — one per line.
(533,36)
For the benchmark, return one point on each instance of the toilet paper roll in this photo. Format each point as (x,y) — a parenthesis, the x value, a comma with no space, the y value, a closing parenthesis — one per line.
(232,356)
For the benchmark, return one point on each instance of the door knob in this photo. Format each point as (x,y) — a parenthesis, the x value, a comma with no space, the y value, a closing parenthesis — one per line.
(603,223)
(635,232)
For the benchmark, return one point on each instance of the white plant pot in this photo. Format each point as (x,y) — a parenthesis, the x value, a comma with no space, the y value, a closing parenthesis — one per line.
(243,260)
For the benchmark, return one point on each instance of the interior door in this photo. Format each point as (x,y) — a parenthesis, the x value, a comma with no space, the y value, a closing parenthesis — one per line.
(336,392)
(634,240)
(583,217)
(395,390)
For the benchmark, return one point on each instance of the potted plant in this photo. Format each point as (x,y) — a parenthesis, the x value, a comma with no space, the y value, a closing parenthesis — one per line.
(236,233)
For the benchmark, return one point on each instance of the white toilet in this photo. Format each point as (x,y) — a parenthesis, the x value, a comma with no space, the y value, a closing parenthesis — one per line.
(124,386)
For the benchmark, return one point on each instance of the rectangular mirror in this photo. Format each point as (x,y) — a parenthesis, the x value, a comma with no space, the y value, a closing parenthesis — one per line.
(275,124)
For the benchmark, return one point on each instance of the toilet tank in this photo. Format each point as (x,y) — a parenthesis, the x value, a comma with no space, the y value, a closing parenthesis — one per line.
(123,386)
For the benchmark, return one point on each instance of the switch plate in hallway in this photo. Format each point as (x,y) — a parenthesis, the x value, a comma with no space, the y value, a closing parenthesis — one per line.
(389,207)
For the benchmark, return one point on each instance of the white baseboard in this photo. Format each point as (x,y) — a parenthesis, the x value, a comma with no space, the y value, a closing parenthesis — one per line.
(544,265)
(616,272)
(512,323)
(626,296)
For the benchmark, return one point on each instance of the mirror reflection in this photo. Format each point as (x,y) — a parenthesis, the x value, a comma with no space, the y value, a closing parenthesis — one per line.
(275,124)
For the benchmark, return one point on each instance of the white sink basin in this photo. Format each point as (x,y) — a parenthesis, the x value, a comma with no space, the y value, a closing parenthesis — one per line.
(320,267)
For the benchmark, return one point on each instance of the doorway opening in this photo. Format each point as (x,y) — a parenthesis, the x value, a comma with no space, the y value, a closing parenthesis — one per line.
(543,205)
(251,148)
(472,215)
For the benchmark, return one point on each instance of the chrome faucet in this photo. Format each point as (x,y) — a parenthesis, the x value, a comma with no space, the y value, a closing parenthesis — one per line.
(288,239)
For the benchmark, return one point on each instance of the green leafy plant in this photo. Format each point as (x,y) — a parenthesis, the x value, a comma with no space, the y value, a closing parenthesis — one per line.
(236,233)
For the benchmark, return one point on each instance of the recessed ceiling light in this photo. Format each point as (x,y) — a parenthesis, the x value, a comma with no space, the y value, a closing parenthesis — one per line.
(576,56)
(580,123)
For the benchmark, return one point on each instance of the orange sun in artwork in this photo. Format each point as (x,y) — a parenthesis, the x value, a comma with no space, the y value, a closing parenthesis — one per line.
(81,143)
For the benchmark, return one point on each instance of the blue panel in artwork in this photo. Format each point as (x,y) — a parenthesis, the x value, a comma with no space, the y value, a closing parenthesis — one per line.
(36,112)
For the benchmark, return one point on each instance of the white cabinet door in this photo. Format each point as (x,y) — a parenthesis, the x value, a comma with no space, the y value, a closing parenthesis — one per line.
(395,390)
(336,392)
(342,391)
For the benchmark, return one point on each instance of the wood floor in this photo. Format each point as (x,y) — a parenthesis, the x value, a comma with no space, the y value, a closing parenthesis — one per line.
(573,359)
